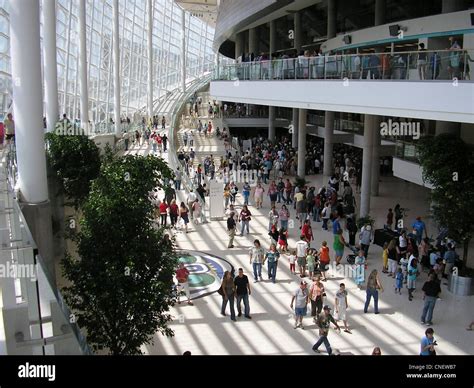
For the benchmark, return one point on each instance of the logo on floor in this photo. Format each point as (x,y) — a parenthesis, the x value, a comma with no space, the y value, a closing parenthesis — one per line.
(205,272)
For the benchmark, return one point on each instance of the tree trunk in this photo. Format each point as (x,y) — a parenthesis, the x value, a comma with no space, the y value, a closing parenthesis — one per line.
(465,250)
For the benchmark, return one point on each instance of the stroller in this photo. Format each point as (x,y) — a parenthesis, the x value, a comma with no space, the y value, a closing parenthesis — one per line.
(351,257)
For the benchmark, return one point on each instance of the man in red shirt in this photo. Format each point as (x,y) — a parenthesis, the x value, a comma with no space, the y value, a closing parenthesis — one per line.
(182,275)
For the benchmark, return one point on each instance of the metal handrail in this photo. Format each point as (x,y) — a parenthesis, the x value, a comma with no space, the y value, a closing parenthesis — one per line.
(178,106)
(431,65)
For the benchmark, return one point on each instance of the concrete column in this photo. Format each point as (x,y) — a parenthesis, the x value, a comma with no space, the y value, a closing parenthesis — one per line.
(302,143)
(295,122)
(328,144)
(271,123)
(118,126)
(447,127)
(150,57)
(83,65)
(453,6)
(331,32)
(253,42)
(297,31)
(272,45)
(183,52)
(28,114)
(239,44)
(380,6)
(27,99)
(374,185)
(50,64)
(367,161)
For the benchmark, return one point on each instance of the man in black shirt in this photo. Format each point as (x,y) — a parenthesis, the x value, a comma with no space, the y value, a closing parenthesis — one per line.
(242,291)
(431,291)
(231,229)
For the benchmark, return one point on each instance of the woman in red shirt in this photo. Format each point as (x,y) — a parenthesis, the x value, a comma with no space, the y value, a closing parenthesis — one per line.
(324,259)
(174,210)
(307,232)
(163,213)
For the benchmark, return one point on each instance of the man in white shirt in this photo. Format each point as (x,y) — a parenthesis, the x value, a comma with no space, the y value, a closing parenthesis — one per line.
(190,200)
(301,248)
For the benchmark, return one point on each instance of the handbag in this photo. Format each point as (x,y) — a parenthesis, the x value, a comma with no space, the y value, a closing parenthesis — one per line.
(220,291)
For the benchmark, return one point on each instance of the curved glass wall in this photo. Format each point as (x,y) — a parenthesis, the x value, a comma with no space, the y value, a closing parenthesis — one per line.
(167,53)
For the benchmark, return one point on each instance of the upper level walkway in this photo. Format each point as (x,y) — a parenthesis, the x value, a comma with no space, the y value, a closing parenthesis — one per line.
(424,84)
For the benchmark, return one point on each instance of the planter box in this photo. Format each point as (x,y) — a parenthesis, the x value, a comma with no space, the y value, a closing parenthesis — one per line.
(460,285)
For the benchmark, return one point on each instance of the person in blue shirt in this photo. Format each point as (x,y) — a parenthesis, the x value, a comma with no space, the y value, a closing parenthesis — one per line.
(450,257)
(428,343)
(420,227)
(336,225)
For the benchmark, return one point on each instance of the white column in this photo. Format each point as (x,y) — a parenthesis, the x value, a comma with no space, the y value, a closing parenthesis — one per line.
(83,66)
(27,99)
(118,126)
(367,160)
(374,183)
(183,52)
(239,44)
(295,123)
(302,143)
(150,58)
(271,123)
(328,144)
(50,64)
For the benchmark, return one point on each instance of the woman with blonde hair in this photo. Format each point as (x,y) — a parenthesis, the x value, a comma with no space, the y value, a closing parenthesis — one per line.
(228,294)
(373,287)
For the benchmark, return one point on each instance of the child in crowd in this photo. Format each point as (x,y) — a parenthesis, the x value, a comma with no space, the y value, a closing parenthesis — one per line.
(404,267)
(399,281)
(292,260)
(283,240)
(385,258)
(310,262)
(412,274)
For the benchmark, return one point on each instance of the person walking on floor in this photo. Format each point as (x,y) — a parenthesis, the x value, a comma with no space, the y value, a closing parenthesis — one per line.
(373,287)
(301,297)
(242,291)
(431,291)
(182,276)
(228,290)
(324,322)
(272,256)
(341,306)
(231,225)
(257,254)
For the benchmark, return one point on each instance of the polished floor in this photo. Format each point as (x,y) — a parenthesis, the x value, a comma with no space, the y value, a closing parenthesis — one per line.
(396,330)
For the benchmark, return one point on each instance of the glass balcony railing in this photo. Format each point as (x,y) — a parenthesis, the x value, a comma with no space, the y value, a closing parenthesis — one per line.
(35,319)
(409,65)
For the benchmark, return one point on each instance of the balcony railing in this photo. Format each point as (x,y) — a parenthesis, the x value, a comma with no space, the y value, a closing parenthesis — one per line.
(36,319)
(408,65)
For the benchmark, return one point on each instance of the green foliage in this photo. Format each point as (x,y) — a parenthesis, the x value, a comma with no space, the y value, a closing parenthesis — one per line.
(448,165)
(76,161)
(300,182)
(122,284)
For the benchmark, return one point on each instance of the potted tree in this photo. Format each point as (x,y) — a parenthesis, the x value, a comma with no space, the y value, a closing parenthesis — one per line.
(448,165)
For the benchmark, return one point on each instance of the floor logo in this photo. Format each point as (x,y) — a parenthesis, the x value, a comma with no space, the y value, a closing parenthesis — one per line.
(205,271)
